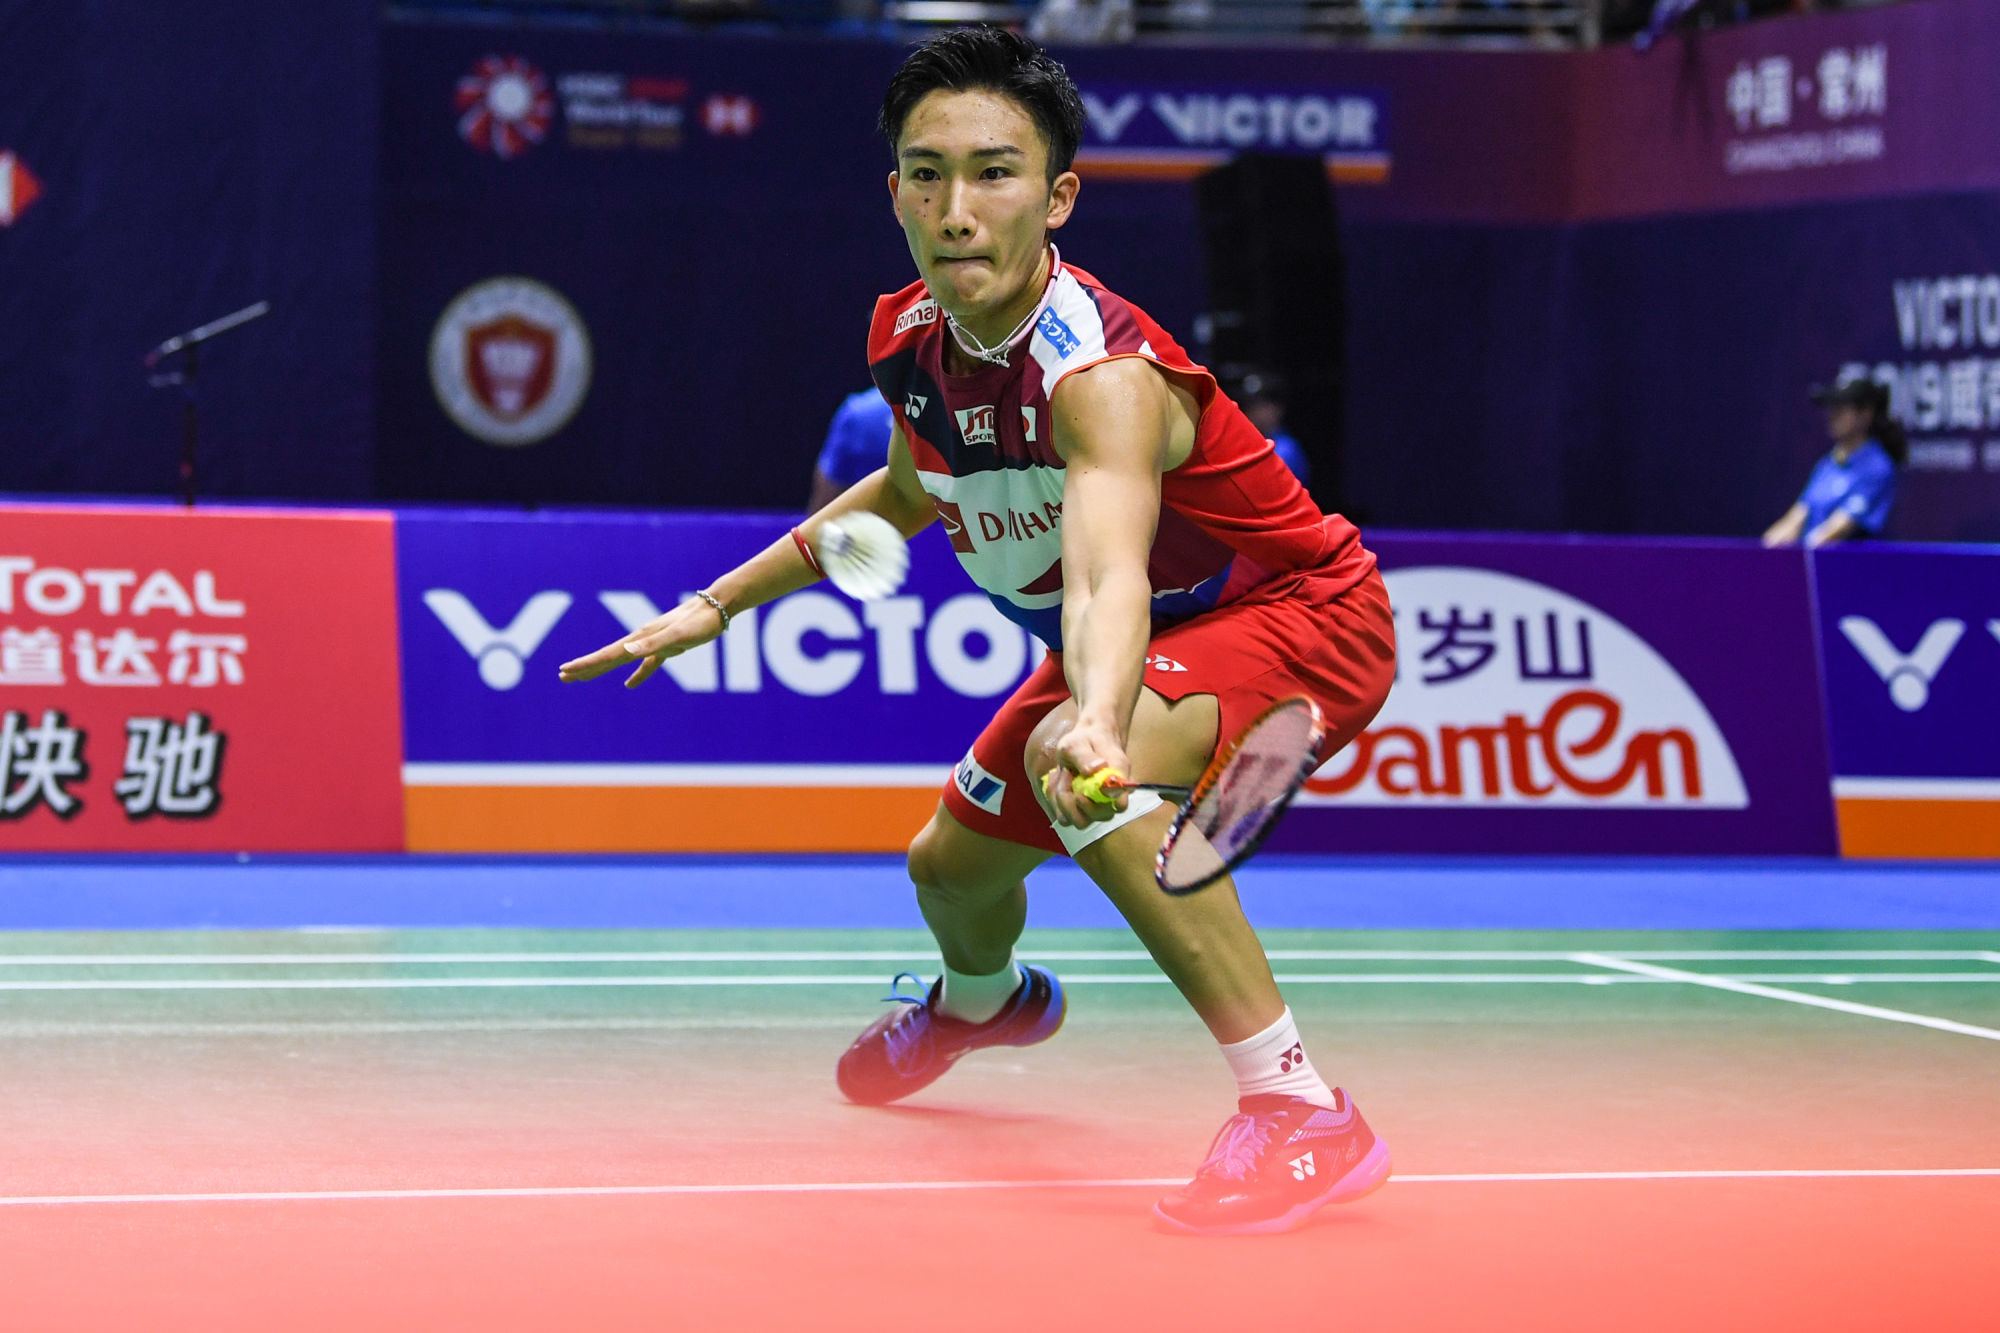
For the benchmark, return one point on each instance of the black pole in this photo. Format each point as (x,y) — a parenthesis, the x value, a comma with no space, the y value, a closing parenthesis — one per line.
(189,346)
(190,422)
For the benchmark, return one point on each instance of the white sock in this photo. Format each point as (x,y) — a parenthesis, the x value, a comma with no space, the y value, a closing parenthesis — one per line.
(974,998)
(1274,1061)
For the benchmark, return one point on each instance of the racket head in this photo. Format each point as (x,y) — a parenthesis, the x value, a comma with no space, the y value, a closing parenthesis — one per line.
(1241,796)
(864,555)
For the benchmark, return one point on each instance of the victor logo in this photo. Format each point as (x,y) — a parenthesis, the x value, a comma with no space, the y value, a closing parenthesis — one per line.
(1908,675)
(1303,1167)
(976,424)
(501,653)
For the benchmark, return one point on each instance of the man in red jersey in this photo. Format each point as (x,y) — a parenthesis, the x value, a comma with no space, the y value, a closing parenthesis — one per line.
(1109,498)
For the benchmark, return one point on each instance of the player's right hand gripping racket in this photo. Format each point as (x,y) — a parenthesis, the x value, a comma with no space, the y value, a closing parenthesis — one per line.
(1239,798)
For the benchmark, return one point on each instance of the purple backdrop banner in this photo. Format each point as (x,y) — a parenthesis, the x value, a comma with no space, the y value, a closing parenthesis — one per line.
(1586,696)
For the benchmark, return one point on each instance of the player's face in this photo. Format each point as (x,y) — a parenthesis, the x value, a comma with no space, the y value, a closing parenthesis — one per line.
(973,194)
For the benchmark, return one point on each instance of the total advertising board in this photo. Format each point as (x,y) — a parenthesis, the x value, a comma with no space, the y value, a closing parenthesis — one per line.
(197,681)
(1910,638)
(1585,695)
(816,723)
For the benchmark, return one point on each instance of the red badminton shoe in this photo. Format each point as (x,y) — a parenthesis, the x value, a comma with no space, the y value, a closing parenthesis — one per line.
(911,1047)
(1274,1164)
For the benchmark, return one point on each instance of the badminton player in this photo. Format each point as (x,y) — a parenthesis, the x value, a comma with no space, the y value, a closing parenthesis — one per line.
(1109,498)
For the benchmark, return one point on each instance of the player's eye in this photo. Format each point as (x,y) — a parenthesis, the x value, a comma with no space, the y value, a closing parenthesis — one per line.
(925,173)
(995,173)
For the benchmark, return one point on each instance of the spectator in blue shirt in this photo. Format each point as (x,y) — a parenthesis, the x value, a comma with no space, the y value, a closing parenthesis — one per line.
(1852,487)
(1262,398)
(856,444)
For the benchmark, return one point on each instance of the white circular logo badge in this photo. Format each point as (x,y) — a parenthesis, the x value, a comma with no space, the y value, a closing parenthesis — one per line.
(510,361)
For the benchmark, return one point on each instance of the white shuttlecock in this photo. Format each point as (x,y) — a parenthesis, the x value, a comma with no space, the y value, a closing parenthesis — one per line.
(864,555)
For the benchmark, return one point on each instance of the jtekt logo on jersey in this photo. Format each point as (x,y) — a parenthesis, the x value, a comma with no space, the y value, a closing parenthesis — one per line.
(976,424)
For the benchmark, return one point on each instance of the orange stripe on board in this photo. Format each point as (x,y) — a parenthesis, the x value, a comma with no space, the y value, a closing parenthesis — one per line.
(1941,830)
(665,819)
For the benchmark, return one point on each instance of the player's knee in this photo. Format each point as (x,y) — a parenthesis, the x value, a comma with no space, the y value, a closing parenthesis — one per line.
(933,868)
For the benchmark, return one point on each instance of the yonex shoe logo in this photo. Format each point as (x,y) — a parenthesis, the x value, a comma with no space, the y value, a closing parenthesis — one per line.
(1293,1058)
(1303,1167)
(1908,675)
(1353,1150)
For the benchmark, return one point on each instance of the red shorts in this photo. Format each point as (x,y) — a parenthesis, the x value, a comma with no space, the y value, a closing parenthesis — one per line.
(1288,637)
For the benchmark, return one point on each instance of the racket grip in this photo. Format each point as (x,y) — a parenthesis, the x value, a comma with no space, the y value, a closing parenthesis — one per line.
(1090,786)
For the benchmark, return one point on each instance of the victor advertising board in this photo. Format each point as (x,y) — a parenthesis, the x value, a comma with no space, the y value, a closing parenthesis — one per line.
(816,724)
(208,680)
(1910,637)
(1585,695)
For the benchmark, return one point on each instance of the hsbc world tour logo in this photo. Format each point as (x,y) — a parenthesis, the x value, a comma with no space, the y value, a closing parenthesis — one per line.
(1511,693)
(504,106)
(510,361)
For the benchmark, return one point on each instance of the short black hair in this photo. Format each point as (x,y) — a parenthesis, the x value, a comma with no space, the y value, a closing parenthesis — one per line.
(995,60)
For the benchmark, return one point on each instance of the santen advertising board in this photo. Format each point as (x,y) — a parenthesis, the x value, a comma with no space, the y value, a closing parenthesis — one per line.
(815,723)
(212,680)
(1910,638)
(1585,695)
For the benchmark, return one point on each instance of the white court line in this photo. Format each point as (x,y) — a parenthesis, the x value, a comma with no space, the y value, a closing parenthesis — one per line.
(907,956)
(1789,996)
(29,1029)
(751,980)
(941,1186)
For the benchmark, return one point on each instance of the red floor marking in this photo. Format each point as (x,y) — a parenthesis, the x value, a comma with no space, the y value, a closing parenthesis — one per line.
(1824,1255)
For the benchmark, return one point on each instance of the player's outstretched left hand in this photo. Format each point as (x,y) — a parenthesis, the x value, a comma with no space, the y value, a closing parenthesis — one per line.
(689,625)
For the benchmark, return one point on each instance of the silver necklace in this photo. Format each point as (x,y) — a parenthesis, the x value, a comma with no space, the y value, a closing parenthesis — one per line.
(998,353)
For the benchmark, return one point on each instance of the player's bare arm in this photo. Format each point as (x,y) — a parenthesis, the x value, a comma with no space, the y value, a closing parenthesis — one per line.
(893,492)
(1118,427)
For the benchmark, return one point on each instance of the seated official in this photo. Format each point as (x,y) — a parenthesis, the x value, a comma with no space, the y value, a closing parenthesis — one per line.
(1853,486)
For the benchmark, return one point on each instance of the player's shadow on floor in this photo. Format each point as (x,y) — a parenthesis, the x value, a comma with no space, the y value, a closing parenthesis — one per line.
(963,1115)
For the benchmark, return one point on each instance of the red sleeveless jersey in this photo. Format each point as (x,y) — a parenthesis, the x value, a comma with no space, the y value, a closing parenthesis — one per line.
(1232,517)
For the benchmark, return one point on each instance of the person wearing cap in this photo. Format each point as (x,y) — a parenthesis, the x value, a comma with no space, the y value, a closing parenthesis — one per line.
(1852,487)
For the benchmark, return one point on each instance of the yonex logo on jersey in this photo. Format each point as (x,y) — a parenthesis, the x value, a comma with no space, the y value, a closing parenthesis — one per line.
(976,425)
(978,786)
(1051,327)
(923,312)
(1158,663)
(914,404)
